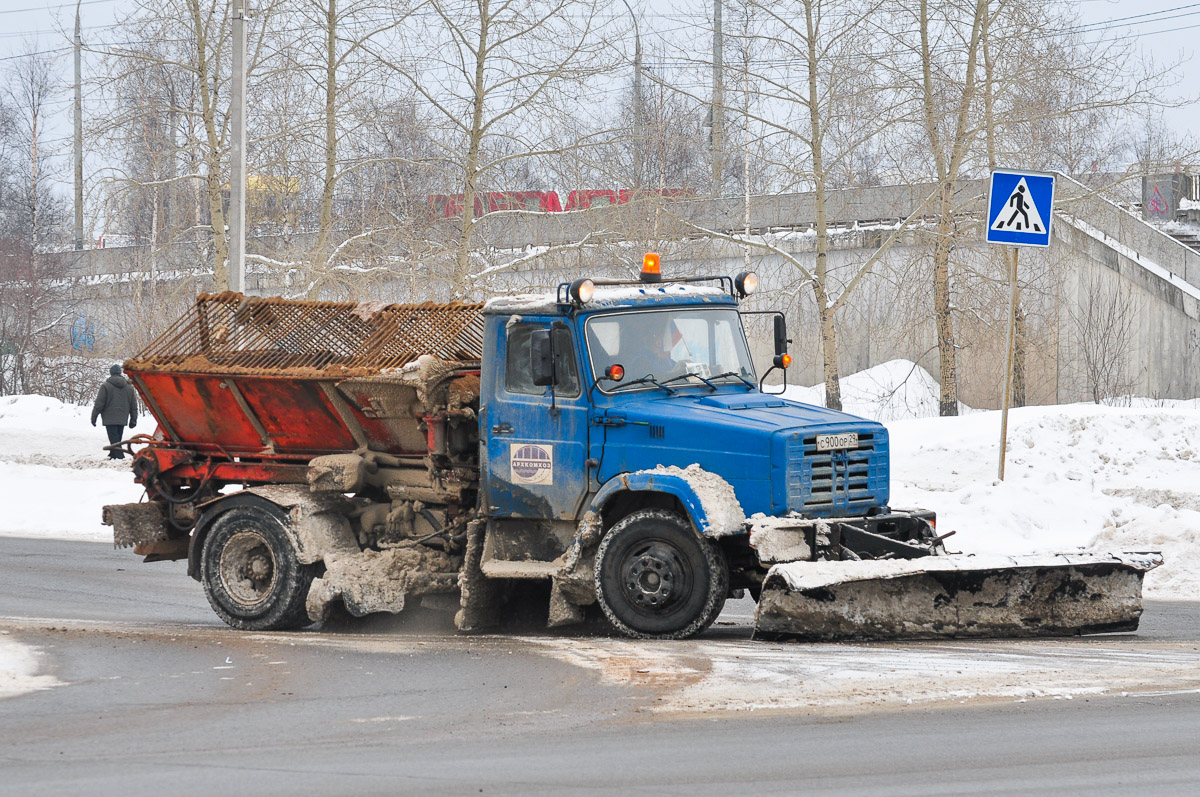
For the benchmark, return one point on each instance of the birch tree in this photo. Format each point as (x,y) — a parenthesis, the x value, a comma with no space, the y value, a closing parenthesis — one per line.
(817,105)
(496,75)
(33,293)
(328,55)
(189,41)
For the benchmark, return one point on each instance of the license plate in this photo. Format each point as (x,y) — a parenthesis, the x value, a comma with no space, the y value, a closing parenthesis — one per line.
(833,442)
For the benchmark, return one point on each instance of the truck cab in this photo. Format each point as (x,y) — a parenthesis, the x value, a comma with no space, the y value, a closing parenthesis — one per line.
(638,405)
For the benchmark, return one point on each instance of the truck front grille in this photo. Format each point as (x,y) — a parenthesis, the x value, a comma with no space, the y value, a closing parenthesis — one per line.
(833,483)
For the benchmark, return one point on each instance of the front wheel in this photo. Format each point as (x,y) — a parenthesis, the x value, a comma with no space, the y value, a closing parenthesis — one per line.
(657,579)
(250,572)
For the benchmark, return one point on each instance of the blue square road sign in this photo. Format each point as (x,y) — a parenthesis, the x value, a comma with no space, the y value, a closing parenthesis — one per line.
(1020,207)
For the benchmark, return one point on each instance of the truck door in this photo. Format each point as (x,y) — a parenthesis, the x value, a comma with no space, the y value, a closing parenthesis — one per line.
(536,436)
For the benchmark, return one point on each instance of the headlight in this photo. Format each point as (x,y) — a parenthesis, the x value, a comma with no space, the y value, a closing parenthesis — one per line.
(745,283)
(582,291)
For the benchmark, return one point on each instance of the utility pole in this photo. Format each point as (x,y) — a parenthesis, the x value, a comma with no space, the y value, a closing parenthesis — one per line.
(237,153)
(78,131)
(717,134)
(746,142)
(639,121)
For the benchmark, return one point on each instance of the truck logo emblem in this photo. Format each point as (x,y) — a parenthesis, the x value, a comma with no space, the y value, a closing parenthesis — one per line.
(531,464)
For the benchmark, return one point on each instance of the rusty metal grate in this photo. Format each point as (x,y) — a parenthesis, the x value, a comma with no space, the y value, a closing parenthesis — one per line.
(235,334)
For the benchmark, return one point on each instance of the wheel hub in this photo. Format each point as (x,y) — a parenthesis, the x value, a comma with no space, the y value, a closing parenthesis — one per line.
(654,577)
(247,568)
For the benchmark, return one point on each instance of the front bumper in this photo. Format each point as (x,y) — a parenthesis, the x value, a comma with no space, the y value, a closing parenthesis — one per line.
(895,534)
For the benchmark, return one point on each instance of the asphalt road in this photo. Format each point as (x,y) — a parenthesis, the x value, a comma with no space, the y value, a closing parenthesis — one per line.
(158,697)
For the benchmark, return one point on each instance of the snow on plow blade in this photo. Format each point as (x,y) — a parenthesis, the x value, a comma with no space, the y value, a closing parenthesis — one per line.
(953,596)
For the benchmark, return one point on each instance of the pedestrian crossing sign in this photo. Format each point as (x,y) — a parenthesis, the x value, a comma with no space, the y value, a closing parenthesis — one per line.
(1020,206)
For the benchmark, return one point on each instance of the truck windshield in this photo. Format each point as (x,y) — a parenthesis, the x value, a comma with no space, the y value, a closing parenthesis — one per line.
(664,344)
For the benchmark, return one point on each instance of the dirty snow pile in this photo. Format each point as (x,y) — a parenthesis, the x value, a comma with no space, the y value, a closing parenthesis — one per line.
(1078,476)
(54,473)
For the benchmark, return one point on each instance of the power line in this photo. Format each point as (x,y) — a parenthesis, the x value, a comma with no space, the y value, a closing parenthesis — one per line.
(55,8)
(1140,16)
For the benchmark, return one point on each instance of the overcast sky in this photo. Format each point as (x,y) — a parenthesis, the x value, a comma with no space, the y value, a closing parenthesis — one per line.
(1166,30)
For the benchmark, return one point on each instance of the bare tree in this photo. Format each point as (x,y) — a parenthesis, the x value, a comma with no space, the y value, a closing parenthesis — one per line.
(817,107)
(497,76)
(1103,322)
(180,50)
(34,297)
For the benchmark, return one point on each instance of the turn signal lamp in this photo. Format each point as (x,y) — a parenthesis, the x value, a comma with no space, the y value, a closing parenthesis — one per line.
(582,291)
(783,361)
(745,283)
(651,271)
(615,372)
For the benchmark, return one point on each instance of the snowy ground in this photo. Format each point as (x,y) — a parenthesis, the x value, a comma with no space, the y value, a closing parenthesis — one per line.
(54,471)
(1077,476)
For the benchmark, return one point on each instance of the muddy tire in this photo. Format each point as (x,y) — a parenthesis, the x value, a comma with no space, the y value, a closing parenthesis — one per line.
(250,572)
(657,579)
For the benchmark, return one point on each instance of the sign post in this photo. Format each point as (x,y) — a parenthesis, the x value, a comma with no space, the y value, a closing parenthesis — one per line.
(1020,208)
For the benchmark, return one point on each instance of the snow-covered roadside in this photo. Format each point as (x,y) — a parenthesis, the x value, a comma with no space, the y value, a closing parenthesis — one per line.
(1077,476)
(53,467)
(18,669)
(887,392)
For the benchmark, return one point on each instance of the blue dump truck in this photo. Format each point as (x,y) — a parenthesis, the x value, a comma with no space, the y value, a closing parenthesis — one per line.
(608,447)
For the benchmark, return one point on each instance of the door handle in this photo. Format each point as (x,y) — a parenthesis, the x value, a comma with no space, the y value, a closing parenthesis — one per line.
(503,428)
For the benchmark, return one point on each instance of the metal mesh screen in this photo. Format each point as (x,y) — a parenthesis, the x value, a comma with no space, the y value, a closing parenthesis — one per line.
(236,334)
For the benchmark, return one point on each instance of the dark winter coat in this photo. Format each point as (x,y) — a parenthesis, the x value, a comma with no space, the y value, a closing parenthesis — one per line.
(116,403)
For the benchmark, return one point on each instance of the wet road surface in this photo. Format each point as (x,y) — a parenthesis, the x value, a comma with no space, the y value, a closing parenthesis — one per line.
(157,696)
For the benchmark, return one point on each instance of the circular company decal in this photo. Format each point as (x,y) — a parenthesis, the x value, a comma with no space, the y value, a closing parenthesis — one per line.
(529,461)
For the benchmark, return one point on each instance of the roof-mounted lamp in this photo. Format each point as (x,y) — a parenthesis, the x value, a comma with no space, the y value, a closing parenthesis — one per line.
(651,270)
(745,284)
(581,291)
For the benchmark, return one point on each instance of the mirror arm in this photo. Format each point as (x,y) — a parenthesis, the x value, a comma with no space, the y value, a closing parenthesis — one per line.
(762,382)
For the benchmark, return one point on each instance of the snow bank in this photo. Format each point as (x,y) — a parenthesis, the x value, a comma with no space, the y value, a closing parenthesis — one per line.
(1079,475)
(18,670)
(54,467)
(896,389)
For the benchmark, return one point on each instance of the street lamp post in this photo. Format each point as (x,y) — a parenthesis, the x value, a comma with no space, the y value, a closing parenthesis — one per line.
(237,152)
(638,112)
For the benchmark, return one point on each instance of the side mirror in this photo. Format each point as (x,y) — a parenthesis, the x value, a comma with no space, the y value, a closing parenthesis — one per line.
(782,358)
(781,338)
(541,358)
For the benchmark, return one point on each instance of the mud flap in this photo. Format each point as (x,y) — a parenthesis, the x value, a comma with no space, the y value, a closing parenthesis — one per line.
(953,596)
(137,524)
(479,606)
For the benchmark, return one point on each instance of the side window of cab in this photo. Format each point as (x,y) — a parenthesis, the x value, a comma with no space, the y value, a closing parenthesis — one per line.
(517,376)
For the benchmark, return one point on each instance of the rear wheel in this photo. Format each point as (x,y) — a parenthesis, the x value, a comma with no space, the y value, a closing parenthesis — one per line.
(250,572)
(656,579)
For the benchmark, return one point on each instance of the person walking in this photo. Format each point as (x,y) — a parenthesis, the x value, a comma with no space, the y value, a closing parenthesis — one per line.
(116,405)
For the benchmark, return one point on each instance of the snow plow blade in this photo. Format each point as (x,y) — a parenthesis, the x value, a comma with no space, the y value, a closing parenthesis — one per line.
(936,597)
